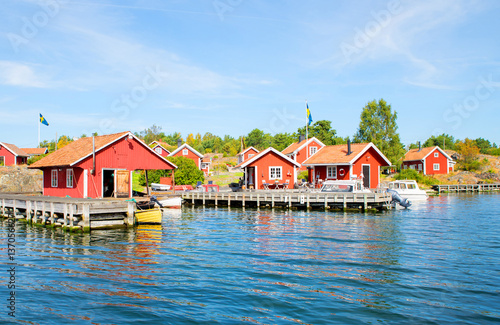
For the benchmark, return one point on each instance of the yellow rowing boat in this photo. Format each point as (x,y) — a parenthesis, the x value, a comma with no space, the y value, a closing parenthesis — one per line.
(148,216)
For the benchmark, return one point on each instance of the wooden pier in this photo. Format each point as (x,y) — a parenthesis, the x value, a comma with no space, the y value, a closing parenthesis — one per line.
(467,188)
(291,199)
(68,213)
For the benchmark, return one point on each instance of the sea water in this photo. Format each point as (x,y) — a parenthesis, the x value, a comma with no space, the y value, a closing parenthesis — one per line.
(435,263)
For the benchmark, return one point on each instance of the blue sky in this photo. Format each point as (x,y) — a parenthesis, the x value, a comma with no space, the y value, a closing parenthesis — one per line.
(229,66)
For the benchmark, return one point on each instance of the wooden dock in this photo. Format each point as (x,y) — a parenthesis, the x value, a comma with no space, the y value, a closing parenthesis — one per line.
(290,199)
(69,213)
(467,188)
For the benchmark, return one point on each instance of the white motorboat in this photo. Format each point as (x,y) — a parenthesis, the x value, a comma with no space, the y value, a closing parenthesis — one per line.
(408,189)
(174,202)
(160,187)
(344,186)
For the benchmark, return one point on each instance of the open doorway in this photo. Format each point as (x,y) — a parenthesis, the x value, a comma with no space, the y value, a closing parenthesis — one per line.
(108,183)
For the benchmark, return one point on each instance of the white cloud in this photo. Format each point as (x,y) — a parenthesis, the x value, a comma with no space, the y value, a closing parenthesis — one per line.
(18,74)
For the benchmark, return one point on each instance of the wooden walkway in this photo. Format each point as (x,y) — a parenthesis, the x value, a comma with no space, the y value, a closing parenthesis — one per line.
(290,199)
(467,188)
(69,213)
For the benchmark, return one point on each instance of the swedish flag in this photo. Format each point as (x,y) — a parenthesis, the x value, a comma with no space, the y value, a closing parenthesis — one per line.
(43,120)
(309,116)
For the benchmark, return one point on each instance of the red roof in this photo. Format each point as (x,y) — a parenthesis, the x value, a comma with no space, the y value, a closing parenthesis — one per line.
(35,151)
(337,154)
(416,154)
(296,146)
(82,148)
(14,149)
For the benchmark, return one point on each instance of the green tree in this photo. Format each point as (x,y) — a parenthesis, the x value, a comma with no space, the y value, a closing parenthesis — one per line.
(378,125)
(283,140)
(258,139)
(323,131)
(469,154)
(483,145)
(444,141)
(186,173)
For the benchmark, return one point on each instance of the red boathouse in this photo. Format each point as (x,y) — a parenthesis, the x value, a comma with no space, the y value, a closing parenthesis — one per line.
(98,166)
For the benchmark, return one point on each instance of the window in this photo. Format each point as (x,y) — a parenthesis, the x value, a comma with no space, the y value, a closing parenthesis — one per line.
(274,172)
(158,150)
(331,172)
(2,160)
(436,166)
(69,178)
(412,166)
(250,155)
(312,150)
(54,178)
(184,152)
(420,167)
(436,154)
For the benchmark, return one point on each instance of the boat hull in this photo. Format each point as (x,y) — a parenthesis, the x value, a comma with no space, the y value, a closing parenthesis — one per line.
(171,203)
(150,216)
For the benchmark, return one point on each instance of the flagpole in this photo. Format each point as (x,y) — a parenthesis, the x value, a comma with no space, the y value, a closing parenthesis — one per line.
(307,133)
(38,146)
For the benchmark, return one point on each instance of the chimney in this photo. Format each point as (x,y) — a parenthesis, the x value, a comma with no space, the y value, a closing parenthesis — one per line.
(419,146)
(301,138)
(179,142)
(349,147)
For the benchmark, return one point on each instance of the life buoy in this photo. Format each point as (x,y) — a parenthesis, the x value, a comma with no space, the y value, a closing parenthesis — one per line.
(341,172)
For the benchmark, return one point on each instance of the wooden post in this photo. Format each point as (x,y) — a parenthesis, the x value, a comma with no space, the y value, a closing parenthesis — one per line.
(258,200)
(35,209)
(3,207)
(43,212)
(229,200)
(365,204)
(243,200)
(345,204)
(14,208)
(71,215)
(52,213)
(86,217)
(173,179)
(147,182)
(326,202)
(272,200)
(65,212)
(28,211)
(215,199)
(203,198)
(130,214)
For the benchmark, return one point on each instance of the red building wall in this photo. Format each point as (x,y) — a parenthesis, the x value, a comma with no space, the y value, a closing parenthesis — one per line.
(9,159)
(419,166)
(191,155)
(61,189)
(302,154)
(249,152)
(272,159)
(431,160)
(372,158)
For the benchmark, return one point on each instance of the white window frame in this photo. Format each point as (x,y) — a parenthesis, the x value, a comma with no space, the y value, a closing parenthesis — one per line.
(275,172)
(54,182)
(311,150)
(185,152)
(434,167)
(436,154)
(158,150)
(331,171)
(70,176)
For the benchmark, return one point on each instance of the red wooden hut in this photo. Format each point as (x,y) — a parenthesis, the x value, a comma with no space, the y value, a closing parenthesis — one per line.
(187,151)
(160,148)
(302,150)
(247,154)
(11,155)
(429,161)
(346,161)
(269,167)
(98,166)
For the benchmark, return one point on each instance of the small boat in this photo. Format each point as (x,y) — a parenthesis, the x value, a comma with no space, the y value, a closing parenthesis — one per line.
(149,216)
(344,186)
(408,189)
(174,202)
(160,187)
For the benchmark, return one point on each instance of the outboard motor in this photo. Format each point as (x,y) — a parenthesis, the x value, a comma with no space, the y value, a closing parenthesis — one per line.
(153,199)
(396,198)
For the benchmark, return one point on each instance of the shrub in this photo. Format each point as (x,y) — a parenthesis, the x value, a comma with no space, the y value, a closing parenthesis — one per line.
(303,175)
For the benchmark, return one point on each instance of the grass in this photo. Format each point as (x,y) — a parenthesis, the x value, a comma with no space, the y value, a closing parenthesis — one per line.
(225,178)
(136,186)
